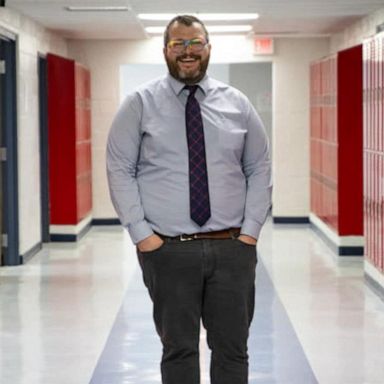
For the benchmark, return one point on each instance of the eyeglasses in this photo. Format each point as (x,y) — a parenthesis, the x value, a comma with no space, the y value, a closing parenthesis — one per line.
(179,46)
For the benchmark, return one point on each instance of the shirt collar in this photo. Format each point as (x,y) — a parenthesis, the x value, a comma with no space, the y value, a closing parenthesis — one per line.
(178,86)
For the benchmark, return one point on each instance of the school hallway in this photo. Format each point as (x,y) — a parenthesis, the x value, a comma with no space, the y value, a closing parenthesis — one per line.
(73,305)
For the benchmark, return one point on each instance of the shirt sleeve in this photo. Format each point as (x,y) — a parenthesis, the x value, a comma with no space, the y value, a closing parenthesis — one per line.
(256,164)
(123,148)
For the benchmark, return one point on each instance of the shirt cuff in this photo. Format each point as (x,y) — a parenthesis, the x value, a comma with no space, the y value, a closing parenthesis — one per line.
(251,228)
(139,231)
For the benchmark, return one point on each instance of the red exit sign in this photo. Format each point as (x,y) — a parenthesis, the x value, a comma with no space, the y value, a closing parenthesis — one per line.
(263,45)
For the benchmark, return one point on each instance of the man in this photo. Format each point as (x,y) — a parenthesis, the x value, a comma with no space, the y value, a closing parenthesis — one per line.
(189,174)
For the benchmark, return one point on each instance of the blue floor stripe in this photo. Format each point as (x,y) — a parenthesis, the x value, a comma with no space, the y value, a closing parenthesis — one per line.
(133,351)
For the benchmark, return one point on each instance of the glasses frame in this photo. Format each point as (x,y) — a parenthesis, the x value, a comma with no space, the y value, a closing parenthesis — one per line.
(187,43)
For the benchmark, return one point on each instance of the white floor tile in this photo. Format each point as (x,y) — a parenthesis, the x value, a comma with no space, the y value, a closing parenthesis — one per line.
(57,311)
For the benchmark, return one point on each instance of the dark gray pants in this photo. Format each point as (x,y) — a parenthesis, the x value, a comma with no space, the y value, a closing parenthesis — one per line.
(212,280)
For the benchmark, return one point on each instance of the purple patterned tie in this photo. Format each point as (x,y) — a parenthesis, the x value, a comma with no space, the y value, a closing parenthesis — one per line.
(198,178)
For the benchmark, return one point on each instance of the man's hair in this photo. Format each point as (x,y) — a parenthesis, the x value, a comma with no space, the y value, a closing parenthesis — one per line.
(187,20)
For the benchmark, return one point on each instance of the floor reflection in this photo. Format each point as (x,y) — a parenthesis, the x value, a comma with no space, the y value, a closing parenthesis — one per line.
(132,352)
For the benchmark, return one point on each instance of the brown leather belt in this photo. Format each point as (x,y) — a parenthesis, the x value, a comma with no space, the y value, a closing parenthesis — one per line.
(230,233)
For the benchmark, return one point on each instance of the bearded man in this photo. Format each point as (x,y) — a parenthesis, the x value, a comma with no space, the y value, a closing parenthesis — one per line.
(190,177)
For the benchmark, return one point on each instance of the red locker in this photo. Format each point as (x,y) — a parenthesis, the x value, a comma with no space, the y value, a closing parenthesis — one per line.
(69,129)
(337,161)
(374,150)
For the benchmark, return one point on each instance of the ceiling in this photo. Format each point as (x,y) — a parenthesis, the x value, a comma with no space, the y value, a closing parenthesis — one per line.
(277,17)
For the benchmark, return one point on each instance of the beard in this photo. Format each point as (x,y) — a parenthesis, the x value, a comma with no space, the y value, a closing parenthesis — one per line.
(188,77)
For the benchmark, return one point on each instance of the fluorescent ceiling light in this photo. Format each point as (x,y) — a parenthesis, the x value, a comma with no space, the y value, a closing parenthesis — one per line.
(155,30)
(229,28)
(202,16)
(211,29)
(97,9)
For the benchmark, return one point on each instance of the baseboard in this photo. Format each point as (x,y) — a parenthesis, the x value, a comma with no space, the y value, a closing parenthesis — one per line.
(67,233)
(25,257)
(70,237)
(341,245)
(66,237)
(374,278)
(106,222)
(374,285)
(290,220)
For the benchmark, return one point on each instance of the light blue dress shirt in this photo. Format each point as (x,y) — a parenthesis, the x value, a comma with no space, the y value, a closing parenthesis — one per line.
(147,160)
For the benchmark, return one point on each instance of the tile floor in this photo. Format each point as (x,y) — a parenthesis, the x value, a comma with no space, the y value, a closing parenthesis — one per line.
(79,314)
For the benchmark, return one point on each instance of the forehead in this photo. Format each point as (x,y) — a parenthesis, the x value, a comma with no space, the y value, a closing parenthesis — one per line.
(182,31)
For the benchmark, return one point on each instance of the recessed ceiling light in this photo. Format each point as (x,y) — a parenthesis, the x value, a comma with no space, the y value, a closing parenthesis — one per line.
(202,16)
(211,29)
(96,9)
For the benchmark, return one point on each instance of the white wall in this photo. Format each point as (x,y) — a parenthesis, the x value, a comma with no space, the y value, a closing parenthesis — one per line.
(291,124)
(31,40)
(291,106)
(356,33)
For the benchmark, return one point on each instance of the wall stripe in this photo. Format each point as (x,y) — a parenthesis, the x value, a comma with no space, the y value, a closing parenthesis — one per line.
(290,220)
(106,222)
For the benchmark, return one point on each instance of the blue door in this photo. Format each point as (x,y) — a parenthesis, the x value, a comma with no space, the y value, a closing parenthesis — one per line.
(9,227)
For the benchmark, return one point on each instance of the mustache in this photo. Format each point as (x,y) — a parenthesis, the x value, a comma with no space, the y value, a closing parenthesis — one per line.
(188,56)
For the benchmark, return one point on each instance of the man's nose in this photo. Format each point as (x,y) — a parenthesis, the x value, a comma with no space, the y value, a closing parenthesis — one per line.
(188,48)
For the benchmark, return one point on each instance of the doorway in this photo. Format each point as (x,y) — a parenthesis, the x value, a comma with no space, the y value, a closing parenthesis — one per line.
(9,219)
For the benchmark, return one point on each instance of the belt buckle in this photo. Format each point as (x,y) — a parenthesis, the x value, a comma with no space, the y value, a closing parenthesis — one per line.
(184,237)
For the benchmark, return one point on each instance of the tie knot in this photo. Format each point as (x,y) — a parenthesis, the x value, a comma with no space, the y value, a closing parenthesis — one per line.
(191,88)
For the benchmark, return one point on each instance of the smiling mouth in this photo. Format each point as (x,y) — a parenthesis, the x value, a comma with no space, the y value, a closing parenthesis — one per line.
(188,63)
(188,59)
